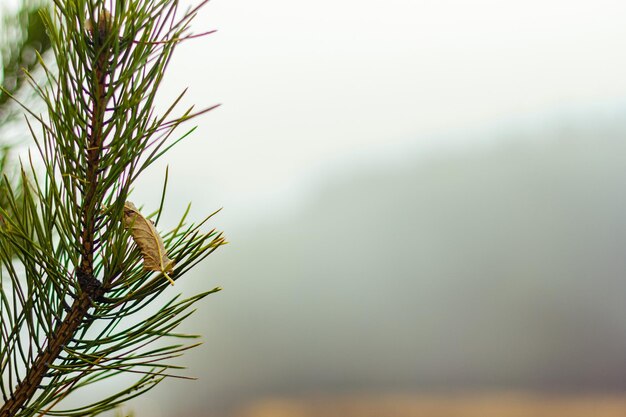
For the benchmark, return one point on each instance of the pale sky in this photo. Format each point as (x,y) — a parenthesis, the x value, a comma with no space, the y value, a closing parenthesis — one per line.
(308,85)
(309,88)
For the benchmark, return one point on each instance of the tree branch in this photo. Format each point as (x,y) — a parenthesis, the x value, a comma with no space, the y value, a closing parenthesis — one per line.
(94,149)
(62,335)
(91,288)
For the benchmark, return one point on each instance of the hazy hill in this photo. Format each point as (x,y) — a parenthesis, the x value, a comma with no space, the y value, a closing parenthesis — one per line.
(499,267)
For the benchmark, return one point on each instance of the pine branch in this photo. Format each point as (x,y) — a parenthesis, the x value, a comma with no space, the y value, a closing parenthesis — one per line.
(94,149)
(62,335)
(90,286)
(74,263)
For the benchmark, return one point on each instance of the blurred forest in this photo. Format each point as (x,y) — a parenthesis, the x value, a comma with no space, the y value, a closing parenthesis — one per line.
(499,268)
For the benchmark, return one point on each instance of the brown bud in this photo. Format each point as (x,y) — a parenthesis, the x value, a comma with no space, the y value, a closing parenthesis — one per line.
(103,24)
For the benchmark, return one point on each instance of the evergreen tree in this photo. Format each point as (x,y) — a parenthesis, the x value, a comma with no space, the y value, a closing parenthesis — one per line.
(22,36)
(79,263)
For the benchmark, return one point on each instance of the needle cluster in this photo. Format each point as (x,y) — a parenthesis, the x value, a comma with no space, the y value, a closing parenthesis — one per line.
(73,285)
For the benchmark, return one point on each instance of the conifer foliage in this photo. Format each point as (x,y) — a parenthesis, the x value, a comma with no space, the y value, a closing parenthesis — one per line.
(75,288)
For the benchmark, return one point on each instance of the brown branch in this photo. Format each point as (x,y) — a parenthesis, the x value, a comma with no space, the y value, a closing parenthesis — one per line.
(91,288)
(94,150)
(62,335)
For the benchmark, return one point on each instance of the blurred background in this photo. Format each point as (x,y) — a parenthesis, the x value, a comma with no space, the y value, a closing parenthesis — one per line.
(426,208)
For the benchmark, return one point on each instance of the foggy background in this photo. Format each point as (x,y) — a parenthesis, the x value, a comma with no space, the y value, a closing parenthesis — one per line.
(420,196)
